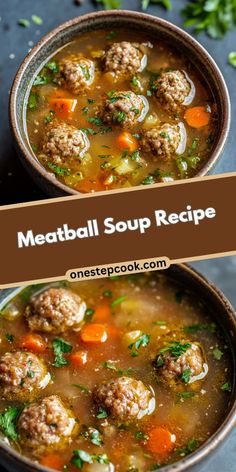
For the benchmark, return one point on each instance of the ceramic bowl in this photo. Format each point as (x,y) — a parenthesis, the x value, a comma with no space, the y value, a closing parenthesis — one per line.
(63,34)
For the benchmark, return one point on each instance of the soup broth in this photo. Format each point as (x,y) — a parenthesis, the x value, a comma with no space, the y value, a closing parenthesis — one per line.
(144,373)
(110,111)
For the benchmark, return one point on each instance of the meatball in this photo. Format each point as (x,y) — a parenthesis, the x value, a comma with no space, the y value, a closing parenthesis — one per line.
(165,141)
(63,141)
(182,361)
(124,58)
(22,375)
(55,310)
(77,73)
(46,424)
(124,108)
(173,89)
(125,398)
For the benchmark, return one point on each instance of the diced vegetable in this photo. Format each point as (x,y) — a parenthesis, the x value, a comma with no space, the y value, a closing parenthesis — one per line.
(132,336)
(53,461)
(93,333)
(63,106)
(197,117)
(79,358)
(126,141)
(160,441)
(33,342)
(102,313)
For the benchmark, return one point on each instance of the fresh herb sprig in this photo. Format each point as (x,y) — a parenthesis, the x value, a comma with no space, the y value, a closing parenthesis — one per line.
(216,17)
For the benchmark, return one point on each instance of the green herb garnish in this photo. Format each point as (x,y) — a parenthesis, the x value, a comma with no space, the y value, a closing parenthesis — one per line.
(37,20)
(117,301)
(232,59)
(82,388)
(226,387)
(217,354)
(102,413)
(8,422)
(9,337)
(142,341)
(60,347)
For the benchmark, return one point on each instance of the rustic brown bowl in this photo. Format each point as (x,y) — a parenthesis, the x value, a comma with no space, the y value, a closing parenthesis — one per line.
(109,19)
(224,315)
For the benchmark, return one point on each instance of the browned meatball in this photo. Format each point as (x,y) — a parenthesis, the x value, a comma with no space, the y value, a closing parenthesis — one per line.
(124,108)
(165,141)
(181,360)
(174,89)
(124,58)
(125,398)
(22,375)
(46,424)
(77,73)
(63,142)
(55,310)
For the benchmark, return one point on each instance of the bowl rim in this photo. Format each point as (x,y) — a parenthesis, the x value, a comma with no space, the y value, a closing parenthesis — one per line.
(216,439)
(112,14)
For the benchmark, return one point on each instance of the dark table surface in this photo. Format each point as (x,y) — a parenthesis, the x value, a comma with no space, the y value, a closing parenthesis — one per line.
(16,186)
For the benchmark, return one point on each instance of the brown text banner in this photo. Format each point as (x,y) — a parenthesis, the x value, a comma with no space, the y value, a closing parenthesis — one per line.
(183,220)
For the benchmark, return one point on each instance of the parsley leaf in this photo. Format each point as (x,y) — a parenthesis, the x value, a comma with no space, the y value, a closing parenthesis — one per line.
(8,422)
(60,347)
(176,348)
(232,59)
(102,413)
(82,388)
(190,447)
(142,341)
(216,17)
(110,4)
(226,387)
(117,301)
(217,354)
(165,3)
(186,375)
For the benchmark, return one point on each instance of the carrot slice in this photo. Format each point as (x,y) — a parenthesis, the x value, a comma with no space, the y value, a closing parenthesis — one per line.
(126,141)
(197,117)
(102,314)
(33,342)
(79,358)
(63,106)
(53,461)
(87,186)
(93,333)
(160,441)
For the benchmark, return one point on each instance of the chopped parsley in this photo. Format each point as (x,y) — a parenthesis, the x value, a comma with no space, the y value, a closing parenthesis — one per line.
(102,413)
(175,348)
(60,347)
(112,366)
(142,341)
(9,337)
(8,422)
(89,312)
(190,447)
(217,354)
(226,387)
(107,293)
(195,328)
(232,59)
(119,116)
(186,375)
(33,101)
(110,35)
(52,66)
(80,457)
(117,301)
(185,395)
(57,169)
(95,120)
(82,388)
(141,436)
(95,438)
